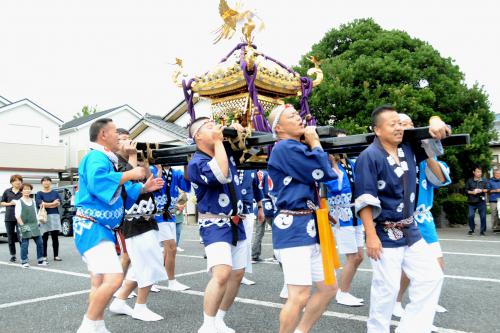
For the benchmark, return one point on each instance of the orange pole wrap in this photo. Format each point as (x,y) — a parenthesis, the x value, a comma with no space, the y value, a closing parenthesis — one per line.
(327,246)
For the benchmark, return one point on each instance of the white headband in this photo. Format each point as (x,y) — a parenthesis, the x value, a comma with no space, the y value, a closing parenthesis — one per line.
(281,108)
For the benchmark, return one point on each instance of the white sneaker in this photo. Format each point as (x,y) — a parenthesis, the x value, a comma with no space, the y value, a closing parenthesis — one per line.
(43,263)
(207,329)
(180,249)
(25,265)
(247,282)
(440,309)
(177,286)
(132,295)
(347,299)
(398,310)
(155,289)
(284,292)
(119,306)
(221,326)
(144,314)
(360,300)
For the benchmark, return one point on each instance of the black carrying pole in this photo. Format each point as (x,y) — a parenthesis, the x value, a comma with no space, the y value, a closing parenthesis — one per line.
(351,145)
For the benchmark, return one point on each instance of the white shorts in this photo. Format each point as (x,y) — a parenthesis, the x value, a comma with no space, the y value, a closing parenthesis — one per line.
(146,259)
(248,224)
(166,231)
(102,259)
(436,249)
(222,253)
(302,265)
(349,239)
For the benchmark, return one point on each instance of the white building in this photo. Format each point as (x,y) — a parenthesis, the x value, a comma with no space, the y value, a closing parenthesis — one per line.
(29,144)
(75,133)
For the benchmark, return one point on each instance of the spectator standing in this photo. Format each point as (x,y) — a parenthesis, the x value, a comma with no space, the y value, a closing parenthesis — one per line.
(9,199)
(179,218)
(49,199)
(494,189)
(26,215)
(476,191)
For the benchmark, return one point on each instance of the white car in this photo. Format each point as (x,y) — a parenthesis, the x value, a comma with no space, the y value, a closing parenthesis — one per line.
(3,232)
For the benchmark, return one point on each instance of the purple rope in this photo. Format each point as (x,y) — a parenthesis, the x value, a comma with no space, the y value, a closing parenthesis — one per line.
(259,121)
(188,97)
(306,86)
(237,47)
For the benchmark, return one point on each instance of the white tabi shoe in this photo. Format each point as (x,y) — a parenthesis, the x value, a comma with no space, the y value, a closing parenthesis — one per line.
(221,326)
(155,289)
(247,282)
(101,327)
(398,310)
(175,285)
(284,292)
(88,326)
(347,299)
(142,312)
(119,306)
(207,329)
(440,309)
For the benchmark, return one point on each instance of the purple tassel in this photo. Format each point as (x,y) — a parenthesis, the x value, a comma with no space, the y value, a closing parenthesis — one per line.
(306,86)
(259,122)
(188,97)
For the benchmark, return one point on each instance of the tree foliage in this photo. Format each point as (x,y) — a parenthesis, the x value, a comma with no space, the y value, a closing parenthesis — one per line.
(86,111)
(365,66)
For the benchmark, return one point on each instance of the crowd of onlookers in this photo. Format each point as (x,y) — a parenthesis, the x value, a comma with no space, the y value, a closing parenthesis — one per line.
(478,190)
(29,216)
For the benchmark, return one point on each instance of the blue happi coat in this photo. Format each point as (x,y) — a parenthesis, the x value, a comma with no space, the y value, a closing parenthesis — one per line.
(250,191)
(213,196)
(295,169)
(178,182)
(379,184)
(266,185)
(99,197)
(340,197)
(427,182)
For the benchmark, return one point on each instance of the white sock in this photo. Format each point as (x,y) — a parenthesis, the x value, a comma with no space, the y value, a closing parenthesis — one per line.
(140,306)
(220,314)
(88,322)
(208,320)
(171,281)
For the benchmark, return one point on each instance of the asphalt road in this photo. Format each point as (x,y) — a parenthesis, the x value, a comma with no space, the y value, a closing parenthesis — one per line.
(53,299)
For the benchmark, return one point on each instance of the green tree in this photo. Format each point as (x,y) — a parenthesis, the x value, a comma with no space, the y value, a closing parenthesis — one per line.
(86,111)
(365,66)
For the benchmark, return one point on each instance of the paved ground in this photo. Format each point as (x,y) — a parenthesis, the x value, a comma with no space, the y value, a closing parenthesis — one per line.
(53,299)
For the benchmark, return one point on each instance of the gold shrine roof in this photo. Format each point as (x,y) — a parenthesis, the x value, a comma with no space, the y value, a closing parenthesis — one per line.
(273,79)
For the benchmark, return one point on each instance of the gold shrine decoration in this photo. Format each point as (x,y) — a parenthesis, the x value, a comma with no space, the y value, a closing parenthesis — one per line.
(226,85)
